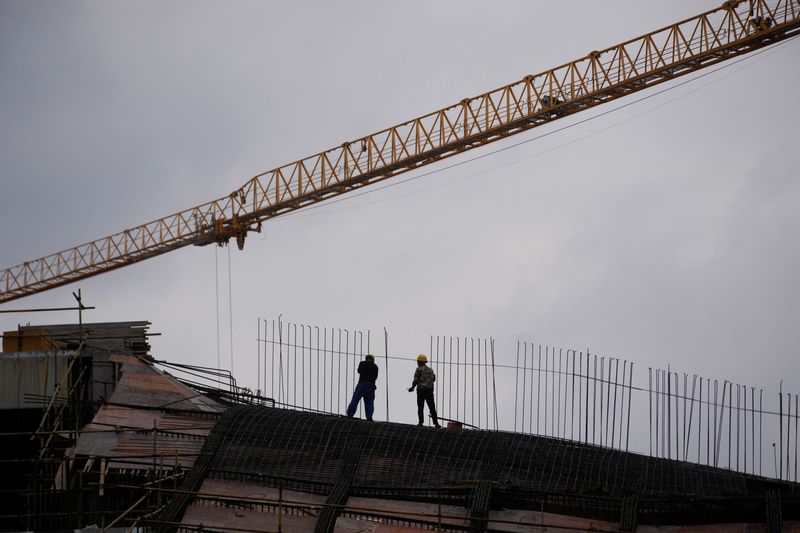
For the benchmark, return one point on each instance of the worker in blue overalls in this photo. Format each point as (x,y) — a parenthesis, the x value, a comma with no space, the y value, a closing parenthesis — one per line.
(367,375)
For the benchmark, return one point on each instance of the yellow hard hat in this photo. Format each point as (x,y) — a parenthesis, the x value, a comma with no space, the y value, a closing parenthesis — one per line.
(422,358)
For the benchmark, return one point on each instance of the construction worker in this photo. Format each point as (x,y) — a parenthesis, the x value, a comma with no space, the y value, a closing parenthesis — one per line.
(367,375)
(423,381)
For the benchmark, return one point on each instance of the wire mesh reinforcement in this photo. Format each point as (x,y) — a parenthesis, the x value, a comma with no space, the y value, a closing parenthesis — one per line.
(268,444)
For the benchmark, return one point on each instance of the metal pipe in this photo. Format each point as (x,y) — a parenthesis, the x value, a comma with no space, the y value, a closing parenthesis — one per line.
(46,309)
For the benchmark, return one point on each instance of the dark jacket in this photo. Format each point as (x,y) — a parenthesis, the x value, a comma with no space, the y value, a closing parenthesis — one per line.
(367,371)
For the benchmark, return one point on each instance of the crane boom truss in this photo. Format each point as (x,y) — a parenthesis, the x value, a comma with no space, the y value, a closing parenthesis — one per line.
(735,28)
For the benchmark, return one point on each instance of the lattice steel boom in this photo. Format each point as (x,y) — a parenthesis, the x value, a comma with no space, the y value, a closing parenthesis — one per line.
(735,28)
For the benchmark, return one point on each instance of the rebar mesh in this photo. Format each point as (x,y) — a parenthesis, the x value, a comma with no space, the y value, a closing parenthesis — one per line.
(268,443)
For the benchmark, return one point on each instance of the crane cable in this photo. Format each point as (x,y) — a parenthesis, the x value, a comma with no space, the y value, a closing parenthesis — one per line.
(309,211)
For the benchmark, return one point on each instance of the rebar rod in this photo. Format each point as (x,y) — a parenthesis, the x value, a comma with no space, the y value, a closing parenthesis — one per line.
(586,418)
(738,416)
(730,420)
(760,428)
(630,395)
(744,430)
(700,421)
(472,378)
(303,365)
(685,394)
(622,401)
(594,402)
(558,376)
(788,429)
(546,380)
(458,378)
(486,379)
(608,403)
(654,428)
(688,437)
(530,401)
(679,417)
(580,394)
(294,364)
(494,386)
(721,424)
(614,419)
(516,391)
(780,429)
(753,429)
(450,383)
(386,370)
(566,392)
(572,404)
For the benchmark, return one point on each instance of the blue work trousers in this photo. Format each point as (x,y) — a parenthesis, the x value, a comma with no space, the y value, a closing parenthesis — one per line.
(365,390)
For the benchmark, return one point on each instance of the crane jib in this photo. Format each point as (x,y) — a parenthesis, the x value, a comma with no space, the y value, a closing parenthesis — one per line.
(735,28)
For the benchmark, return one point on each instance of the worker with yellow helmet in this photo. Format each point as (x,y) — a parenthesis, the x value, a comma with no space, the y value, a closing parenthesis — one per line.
(424,378)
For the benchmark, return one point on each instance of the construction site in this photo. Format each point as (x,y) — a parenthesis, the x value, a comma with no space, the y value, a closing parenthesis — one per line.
(101,431)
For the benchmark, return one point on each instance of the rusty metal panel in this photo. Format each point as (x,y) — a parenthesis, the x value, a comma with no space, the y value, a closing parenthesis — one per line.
(149,419)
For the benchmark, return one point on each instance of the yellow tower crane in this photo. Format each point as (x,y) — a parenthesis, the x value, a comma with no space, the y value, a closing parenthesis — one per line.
(735,28)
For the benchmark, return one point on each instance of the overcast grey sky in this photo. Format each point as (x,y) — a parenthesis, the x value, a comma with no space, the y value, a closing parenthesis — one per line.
(663,233)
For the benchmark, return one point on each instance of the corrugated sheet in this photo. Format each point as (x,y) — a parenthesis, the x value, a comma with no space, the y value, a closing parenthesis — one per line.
(26,376)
